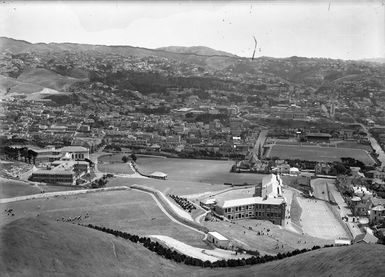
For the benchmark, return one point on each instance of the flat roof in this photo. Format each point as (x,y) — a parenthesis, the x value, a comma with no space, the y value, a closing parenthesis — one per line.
(251,201)
(73,148)
(159,174)
(217,236)
(343,241)
(58,162)
(378,208)
(53,172)
(210,201)
(319,135)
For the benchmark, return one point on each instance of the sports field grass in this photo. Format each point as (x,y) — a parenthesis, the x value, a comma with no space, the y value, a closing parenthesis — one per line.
(130,211)
(318,153)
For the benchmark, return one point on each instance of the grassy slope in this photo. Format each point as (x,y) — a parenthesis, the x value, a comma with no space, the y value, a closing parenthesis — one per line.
(13,188)
(128,211)
(17,86)
(46,78)
(45,248)
(32,247)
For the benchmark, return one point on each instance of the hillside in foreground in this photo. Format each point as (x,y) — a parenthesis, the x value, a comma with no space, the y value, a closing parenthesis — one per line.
(33,247)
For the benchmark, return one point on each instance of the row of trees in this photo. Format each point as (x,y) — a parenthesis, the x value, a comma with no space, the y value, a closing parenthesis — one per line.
(169,254)
(17,153)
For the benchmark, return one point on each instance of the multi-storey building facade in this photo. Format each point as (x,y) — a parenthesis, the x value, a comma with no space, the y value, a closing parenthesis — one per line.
(268,203)
(272,209)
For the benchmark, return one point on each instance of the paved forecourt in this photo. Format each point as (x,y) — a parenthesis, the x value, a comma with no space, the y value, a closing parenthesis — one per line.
(318,220)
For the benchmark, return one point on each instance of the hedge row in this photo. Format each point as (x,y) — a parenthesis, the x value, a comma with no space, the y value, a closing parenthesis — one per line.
(167,253)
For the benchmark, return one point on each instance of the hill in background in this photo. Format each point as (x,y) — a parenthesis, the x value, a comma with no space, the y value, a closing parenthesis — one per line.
(33,247)
(198,50)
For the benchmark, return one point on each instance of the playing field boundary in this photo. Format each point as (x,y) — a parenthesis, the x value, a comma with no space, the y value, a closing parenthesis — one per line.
(319,153)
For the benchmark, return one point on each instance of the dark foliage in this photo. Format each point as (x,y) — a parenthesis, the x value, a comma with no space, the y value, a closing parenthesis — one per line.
(169,254)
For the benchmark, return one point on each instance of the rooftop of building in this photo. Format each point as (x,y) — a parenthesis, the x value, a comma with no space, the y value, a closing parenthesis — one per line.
(73,149)
(251,201)
(324,135)
(217,236)
(379,208)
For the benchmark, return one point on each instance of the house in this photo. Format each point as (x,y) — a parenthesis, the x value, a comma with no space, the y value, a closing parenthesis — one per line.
(281,169)
(377,214)
(375,174)
(346,133)
(217,239)
(360,205)
(365,238)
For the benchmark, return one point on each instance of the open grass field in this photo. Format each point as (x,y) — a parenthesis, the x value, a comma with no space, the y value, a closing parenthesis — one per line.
(185,176)
(318,220)
(117,168)
(168,186)
(192,170)
(318,153)
(35,247)
(112,157)
(129,211)
(12,188)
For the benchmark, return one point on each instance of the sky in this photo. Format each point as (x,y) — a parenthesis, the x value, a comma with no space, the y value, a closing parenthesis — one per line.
(331,29)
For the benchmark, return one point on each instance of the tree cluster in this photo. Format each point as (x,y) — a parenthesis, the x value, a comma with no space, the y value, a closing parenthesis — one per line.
(16,153)
(99,183)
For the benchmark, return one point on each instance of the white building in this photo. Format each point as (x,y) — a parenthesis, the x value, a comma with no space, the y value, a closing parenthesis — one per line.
(217,239)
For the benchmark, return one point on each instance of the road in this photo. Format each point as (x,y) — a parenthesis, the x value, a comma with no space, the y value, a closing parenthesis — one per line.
(373,141)
(375,145)
(260,142)
(343,208)
(58,193)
